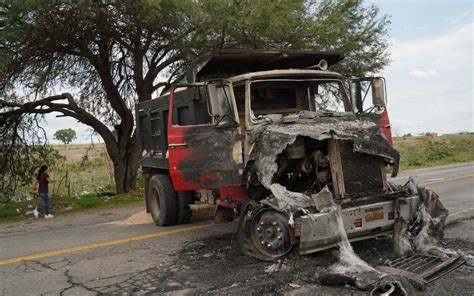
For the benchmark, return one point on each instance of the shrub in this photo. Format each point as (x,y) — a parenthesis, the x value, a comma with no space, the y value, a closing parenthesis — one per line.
(433,151)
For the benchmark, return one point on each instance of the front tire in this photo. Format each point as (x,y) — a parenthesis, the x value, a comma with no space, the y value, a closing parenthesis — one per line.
(163,206)
(265,234)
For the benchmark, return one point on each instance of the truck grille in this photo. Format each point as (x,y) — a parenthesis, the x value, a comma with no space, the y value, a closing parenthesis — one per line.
(426,266)
(362,172)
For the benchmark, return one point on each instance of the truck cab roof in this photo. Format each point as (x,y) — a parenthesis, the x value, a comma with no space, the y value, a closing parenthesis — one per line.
(225,63)
(291,73)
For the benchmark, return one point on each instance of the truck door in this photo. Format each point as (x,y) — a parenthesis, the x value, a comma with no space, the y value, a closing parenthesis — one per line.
(205,153)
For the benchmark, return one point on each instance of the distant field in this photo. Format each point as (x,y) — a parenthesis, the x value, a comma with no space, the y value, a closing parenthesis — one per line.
(427,151)
(89,169)
(75,152)
(85,168)
(85,180)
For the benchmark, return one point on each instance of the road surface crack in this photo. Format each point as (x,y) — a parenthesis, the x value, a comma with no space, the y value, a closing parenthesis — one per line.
(73,284)
(30,265)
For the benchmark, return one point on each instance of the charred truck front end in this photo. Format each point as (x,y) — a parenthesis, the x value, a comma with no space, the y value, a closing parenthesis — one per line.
(274,138)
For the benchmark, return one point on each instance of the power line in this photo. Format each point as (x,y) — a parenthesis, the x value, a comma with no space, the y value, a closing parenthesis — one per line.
(437,123)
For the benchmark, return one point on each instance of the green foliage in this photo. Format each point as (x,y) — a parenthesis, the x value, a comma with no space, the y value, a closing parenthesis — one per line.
(65,135)
(358,31)
(19,164)
(350,27)
(250,24)
(9,210)
(89,202)
(431,151)
(62,204)
(49,41)
(112,52)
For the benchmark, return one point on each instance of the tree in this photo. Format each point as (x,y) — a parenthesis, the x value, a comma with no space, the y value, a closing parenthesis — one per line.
(112,53)
(65,135)
(20,159)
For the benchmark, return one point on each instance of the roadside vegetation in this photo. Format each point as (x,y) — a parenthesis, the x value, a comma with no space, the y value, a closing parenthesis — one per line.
(84,179)
(84,173)
(61,204)
(430,150)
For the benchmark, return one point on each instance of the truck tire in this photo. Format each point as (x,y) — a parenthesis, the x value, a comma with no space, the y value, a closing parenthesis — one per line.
(162,201)
(251,245)
(184,213)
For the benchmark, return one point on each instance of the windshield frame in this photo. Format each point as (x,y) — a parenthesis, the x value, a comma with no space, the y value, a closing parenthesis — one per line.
(229,99)
(251,118)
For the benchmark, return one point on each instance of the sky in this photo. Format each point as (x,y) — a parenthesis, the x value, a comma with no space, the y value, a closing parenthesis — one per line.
(429,81)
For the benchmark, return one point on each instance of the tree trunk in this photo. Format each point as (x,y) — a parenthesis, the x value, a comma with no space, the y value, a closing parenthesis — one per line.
(126,163)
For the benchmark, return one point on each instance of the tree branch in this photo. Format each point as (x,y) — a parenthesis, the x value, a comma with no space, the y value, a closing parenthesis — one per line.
(49,104)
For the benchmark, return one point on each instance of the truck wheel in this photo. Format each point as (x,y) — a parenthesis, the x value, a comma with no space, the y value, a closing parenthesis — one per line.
(184,213)
(265,234)
(162,200)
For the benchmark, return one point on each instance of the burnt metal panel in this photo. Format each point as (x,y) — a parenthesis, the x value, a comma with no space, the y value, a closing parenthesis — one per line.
(225,63)
(152,123)
(211,163)
(336,168)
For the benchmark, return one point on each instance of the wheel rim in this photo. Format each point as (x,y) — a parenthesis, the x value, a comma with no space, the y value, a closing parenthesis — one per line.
(270,234)
(155,204)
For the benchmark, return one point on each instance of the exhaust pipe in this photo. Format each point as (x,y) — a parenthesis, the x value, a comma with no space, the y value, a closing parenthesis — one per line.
(322,65)
(385,290)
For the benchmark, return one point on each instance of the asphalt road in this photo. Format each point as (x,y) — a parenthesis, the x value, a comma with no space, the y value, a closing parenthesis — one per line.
(119,250)
(454,184)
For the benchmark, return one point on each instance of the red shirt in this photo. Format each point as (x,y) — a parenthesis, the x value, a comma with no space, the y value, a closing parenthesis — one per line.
(43,183)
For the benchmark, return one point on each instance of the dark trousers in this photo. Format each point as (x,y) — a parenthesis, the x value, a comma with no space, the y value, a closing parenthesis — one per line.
(45,197)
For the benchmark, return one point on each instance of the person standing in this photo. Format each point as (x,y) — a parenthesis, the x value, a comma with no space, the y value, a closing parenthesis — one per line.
(43,180)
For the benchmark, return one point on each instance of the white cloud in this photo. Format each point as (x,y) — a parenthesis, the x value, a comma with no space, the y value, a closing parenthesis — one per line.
(441,98)
(452,49)
(423,73)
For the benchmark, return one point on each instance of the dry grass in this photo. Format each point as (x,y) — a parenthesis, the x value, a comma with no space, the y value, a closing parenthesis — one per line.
(83,168)
(74,153)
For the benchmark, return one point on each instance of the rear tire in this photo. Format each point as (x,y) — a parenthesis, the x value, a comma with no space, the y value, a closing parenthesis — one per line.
(163,206)
(184,213)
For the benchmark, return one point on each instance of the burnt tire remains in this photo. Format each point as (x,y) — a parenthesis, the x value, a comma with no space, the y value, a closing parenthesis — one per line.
(184,213)
(163,205)
(265,234)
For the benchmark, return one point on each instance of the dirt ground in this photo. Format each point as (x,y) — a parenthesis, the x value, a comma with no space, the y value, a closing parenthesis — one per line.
(216,266)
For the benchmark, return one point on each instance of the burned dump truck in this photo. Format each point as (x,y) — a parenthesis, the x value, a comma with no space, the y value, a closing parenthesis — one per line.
(274,138)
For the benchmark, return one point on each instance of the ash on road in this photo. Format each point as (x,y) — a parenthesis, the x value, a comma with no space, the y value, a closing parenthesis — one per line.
(206,261)
(215,265)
